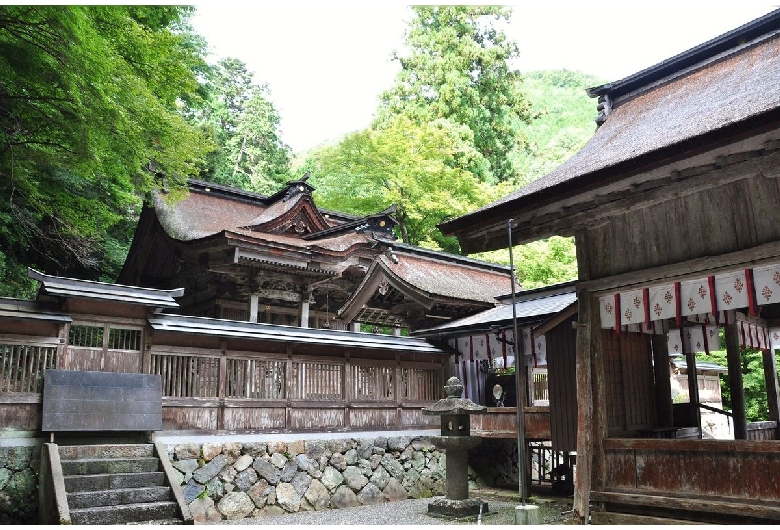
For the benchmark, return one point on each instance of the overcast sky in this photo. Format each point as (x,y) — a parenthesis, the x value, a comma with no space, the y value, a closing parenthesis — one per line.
(326,63)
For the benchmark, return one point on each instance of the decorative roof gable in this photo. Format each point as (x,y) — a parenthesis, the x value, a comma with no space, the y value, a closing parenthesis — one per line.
(296,216)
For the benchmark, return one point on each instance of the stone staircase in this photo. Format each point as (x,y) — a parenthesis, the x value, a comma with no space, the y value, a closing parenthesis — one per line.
(116,484)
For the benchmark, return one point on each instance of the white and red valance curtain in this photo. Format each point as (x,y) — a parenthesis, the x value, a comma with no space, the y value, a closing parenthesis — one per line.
(702,300)
(475,348)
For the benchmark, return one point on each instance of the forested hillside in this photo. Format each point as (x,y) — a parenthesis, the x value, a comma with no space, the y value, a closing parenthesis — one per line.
(102,105)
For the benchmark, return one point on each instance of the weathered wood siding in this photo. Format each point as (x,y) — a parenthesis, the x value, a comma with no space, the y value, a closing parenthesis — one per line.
(731,217)
(561,373)
(724,468)
(629,382)
(20,412)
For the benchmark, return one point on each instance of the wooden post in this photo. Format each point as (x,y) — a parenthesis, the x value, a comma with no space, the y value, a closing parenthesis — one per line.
(62,349)
(734,363)
(663,384)
(772,392)
(303,309)
(399,385)
(288,387)
(693,388)
(585,405)
(599,390)
(253,303)
(348,384)
(222,385)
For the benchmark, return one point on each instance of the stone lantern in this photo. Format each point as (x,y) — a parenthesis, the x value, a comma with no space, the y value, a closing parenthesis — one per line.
(456,440)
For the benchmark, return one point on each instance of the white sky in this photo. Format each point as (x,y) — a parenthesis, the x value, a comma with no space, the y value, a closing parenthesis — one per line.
(326,63)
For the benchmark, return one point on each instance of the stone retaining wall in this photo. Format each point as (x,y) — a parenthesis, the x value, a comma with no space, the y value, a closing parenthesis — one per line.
(229,481)
(19,466)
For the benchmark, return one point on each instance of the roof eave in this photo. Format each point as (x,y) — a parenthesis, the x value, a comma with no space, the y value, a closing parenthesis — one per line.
(486,229)
(696,55)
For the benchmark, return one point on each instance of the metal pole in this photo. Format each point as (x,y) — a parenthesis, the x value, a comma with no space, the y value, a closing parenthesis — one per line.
(519,379)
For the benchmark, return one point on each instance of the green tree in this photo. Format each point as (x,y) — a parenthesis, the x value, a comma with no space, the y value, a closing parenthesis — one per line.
(244,124)
(408,165)
(753,381)
(90,120)
(564,121)
(457,68)
(539,263)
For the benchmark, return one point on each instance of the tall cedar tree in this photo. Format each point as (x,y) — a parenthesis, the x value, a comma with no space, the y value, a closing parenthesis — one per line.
(244,125)
(457,68)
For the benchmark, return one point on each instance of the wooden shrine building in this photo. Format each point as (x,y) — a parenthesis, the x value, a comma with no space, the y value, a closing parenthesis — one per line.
(279,259)
(674,204)
(249,308)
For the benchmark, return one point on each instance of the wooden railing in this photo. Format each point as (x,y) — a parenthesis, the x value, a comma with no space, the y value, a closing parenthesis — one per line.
(208,389)
(22,366)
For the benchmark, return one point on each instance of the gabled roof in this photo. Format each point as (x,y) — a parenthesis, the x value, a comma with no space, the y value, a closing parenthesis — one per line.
(289,216)
(73,288)
(427,278)
(727,86)
(532,306)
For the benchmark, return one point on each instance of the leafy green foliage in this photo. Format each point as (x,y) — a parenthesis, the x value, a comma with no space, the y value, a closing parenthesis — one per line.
(753,381)
(89,120)
(408,165)
(540,263)
(563,121)
(457,68)
(244,125)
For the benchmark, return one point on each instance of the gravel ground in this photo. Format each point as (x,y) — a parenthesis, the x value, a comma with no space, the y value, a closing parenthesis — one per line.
(553,510)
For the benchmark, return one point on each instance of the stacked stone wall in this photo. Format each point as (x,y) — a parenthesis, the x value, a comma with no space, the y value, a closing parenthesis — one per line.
(235,480)
(494,463)
(19,467)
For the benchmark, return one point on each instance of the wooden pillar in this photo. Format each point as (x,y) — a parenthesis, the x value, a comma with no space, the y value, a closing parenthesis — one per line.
(663,385)
(222,386)
(399,389)
(303,309)
(63,336)
(693,388)
(288,386)
(599,389)
(734,363)
(253,303)
(772,392)
(356,327)
(348,388)
(585,410)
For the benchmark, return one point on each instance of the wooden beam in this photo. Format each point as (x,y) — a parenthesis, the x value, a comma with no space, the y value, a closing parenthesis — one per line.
(641,195)
(695,268)
(734,363)
(772,391)
(693,387)
(663,384)
(585,413)
(688,503)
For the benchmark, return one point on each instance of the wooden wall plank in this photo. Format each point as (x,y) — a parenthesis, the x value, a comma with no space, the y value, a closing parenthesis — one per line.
(561,353)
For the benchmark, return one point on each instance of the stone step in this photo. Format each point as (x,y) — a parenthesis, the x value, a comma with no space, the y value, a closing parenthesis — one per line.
(78,452)
(79,483)
(113,497)
(125,513)
(158,522)
(93,466)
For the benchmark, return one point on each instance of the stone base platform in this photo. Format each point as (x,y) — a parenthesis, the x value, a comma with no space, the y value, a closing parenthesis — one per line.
(457,508)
